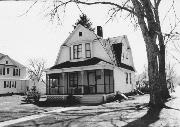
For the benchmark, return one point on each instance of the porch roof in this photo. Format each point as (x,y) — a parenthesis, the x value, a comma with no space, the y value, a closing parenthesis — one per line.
(88,62)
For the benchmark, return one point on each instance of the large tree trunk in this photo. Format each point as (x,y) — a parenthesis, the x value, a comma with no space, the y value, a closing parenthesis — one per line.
(162,73)
(156,99)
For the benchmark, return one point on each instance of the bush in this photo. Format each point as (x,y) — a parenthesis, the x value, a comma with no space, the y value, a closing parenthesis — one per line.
(32,96)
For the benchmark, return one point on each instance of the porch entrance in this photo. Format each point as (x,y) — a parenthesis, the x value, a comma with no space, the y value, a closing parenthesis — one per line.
(91,82)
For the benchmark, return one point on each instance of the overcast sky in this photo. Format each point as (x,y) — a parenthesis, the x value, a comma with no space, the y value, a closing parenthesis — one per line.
(33,36)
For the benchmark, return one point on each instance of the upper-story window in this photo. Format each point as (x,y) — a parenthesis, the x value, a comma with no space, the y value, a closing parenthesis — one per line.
(4,71)
(6,62)
(130,80)
(77,51)
(16,72)
(126,78)
(80,34)
(7,70)
(0,71)
(88,50)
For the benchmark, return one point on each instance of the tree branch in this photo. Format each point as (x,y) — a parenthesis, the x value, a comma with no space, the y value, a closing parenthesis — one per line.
(104,3)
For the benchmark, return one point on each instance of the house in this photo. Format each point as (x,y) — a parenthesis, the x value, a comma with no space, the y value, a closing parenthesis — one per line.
(91,68)
(12,76)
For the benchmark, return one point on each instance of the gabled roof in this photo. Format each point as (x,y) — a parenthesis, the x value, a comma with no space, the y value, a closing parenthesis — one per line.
(88,62)
(79,26)
(2,56)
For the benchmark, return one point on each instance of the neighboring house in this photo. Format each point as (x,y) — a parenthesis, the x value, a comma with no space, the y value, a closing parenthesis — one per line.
(12,76)
(91,68)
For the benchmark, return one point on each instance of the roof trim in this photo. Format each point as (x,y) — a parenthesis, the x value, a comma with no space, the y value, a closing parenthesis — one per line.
(87,62)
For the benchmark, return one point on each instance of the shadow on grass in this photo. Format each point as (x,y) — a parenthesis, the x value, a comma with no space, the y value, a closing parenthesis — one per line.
(150,117)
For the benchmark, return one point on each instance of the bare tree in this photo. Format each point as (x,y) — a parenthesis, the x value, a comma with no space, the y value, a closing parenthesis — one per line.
(36,69)
(145,13)
(170,76)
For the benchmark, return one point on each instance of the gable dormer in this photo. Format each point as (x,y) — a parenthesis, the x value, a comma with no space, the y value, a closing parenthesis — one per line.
(77,46)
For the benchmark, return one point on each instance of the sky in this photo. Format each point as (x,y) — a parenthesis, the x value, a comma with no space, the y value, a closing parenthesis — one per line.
(31,35)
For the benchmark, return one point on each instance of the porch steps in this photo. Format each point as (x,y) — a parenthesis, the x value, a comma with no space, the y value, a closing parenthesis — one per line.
(92,99)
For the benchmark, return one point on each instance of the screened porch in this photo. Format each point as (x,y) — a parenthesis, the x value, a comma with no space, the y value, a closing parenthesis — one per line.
(99,81)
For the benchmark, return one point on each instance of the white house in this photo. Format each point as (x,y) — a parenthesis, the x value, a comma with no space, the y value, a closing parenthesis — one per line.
(91,68)
(12,76)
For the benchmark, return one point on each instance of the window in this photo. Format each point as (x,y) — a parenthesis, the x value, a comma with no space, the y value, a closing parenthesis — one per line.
(0,71)
(88,50)
(126,78)
(4,71)
(70,53)
(9,84)
(12,84)
(6,62)
(16,72)
(7,70)
(80,34)
(130,78)
(15,84)
(4,84)
(73,78)
(77,51)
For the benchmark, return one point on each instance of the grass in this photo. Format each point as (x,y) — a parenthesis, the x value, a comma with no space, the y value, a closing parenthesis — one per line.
(130,113)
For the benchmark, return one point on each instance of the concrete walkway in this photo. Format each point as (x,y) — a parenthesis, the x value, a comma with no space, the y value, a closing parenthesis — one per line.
(32,117)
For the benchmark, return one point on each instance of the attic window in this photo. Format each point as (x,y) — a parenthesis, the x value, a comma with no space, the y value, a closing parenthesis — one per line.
(6,62)
(80,34)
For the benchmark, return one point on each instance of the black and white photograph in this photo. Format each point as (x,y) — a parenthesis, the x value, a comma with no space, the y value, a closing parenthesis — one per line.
(89,63)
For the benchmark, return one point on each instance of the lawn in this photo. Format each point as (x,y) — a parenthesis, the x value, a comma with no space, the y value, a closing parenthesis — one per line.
(12,107)
(128,113)
(133,112)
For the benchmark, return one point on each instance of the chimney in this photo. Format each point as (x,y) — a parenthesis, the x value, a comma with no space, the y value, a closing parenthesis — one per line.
(99,31)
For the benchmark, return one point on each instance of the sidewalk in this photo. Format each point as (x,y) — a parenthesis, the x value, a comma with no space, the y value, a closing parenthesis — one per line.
(32,117)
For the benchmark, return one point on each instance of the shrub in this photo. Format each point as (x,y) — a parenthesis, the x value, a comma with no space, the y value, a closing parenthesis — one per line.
(32,96)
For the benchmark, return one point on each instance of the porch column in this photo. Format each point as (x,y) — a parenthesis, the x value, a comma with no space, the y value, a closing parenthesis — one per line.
(82,81)
(103,79)
(47,86)
(63,81)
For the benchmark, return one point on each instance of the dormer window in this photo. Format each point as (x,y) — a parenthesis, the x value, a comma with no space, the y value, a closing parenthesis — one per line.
(77,51)
(80,34)
(88,50)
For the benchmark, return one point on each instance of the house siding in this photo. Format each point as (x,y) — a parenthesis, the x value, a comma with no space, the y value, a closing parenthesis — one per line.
(100,52)
(120,81)
(8,65)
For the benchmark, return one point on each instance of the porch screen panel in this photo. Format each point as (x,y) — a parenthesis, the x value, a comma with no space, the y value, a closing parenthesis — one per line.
(61,85)
(107,80)
(100,82)
(92,82)
(111,82)
(53,84)
(73,79)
